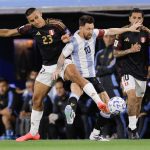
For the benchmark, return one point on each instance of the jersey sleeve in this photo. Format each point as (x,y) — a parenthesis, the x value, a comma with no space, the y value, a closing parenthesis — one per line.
(100,32)
(59,24)
(25,29)
(67,50)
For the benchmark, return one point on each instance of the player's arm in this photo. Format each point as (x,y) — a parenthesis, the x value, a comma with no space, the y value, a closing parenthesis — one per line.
(145,29)
(9,32)
(118,52)
(25,29)
(67,50)
(114,31)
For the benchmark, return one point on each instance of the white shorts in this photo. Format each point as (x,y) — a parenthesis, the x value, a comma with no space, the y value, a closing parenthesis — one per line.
(129,83)
(45,75)
(66,63)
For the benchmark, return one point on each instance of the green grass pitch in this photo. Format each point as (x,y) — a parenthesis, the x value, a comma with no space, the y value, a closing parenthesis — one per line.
(76,145)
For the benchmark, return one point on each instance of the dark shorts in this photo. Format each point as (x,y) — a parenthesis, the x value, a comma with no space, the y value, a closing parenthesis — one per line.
(97,84)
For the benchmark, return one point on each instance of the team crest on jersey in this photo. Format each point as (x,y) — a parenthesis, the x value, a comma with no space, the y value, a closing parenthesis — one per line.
(143,39)
(51,32)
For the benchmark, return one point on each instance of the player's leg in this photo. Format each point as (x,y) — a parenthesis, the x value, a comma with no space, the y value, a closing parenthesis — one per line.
(128,83)
(40,91)
(70,109)
(42,86)
(140,91)
(71,73)
(101,120)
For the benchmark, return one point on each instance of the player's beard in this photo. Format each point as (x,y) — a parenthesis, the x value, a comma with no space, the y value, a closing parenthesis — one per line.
(88,36)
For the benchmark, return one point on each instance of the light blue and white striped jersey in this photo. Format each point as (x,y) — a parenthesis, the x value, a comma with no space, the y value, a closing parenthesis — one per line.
(82,52)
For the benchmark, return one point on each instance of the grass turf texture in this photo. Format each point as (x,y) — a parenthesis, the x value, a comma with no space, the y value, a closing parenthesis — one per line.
(76,145)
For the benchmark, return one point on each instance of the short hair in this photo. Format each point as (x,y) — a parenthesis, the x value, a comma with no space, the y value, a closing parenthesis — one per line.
(29,11)
(136,10)
(3,80)
(60,80)
(86,19)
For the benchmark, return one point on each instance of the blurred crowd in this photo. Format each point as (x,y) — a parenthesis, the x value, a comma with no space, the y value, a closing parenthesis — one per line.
(16,106)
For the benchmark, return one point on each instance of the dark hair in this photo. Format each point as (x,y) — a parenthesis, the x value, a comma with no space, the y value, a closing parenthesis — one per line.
(136,10)
(60,80)
(29,11)
(3,80)
(85,19)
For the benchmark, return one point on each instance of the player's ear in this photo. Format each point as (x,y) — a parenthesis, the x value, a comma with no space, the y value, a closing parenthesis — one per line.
(129,18)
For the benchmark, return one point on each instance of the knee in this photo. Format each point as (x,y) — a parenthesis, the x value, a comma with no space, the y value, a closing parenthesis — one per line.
(75,88)
(37,102)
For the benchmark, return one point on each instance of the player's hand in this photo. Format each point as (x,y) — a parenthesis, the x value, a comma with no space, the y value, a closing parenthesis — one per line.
(145,29)
(52,118)
(148,76)
(55,74)
(65,38)
(135,48)
(135,27)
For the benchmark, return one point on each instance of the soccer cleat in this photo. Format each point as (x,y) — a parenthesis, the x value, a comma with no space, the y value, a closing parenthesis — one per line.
(133,134)
(70,114)
(95,137)
(103,107)
(27,137)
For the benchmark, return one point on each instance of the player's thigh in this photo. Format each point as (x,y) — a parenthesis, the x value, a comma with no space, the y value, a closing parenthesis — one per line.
(45,75)
(71,73)
(140,87)
(75,88)
(40,90)
(128,83)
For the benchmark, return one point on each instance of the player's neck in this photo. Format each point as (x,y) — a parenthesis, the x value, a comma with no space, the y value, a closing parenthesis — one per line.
(81,34)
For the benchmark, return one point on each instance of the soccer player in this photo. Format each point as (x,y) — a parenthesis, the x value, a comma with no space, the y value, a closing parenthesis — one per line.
(48,35)
(82,50)
(132,51)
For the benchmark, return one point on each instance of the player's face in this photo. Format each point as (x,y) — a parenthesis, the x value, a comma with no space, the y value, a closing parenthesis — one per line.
(136,17)
(87,30)
(36,19)
(3,88)
(59,89)
(109,40)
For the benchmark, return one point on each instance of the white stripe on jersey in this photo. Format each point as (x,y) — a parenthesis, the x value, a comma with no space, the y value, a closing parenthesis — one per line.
(82,52)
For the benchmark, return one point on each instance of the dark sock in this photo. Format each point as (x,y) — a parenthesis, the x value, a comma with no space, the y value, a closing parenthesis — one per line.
(73,103)
(100,122)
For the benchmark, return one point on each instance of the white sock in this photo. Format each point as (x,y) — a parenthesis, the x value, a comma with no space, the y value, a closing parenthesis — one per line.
(74,95)
(132,122)
(90,91)
(96,132)
(35,121)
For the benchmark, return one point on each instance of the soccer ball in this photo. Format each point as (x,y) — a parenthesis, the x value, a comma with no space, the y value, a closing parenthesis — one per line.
(116,105)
